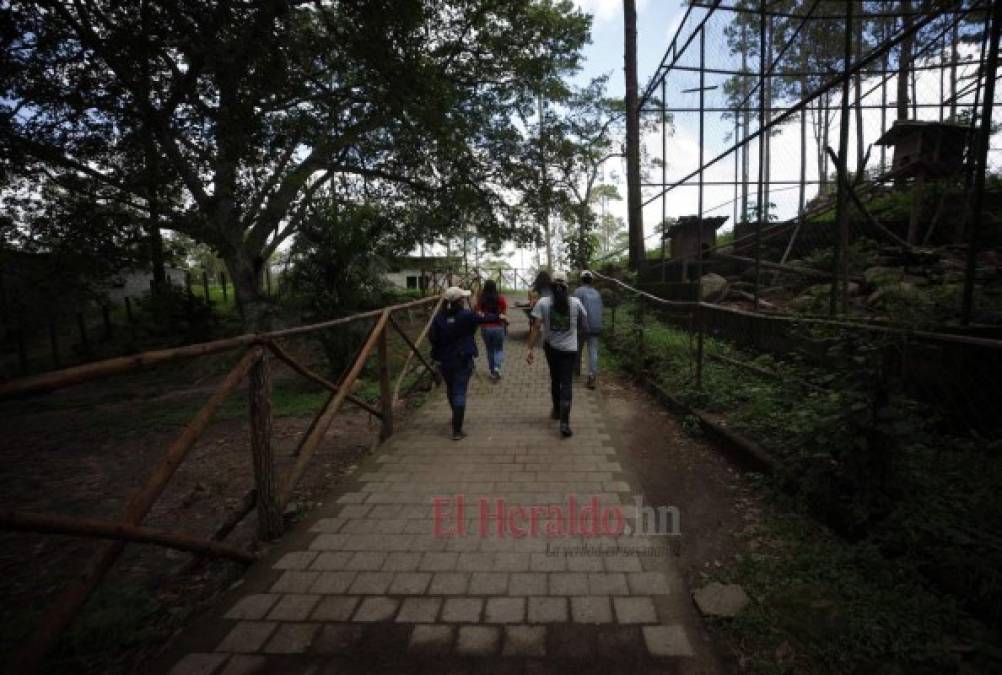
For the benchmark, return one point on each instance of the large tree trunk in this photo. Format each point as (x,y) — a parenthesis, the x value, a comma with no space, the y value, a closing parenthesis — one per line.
(635,210)
(745,123)
(245,272)
(904,62)
(858,86)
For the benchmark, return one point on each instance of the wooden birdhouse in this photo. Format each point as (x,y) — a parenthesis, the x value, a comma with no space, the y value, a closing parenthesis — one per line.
(685,238)
(926,149)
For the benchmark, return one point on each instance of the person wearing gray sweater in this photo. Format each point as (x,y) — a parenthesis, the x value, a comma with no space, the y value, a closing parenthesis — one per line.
(592,301)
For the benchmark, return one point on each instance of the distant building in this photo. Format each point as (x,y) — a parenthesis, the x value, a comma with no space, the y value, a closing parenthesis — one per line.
(422,272)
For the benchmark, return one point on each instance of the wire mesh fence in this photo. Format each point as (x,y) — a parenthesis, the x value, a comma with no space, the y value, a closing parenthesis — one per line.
(766,108)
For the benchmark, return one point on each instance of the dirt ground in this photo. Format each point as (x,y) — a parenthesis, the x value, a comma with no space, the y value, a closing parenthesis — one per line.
(80,452)
(675,468)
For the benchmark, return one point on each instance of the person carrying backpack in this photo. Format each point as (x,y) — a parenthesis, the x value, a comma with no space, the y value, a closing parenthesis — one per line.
(557,317)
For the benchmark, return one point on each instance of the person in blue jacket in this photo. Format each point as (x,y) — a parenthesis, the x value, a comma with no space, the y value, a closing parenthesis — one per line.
(453,347)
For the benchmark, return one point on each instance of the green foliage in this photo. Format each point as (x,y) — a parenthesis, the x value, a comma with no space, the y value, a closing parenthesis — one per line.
(885,471)
(178,315)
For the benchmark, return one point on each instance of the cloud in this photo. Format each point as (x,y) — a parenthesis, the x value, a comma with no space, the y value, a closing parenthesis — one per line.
(606,10)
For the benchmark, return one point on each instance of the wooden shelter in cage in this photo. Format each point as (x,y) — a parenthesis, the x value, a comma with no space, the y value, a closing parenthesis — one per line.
(685,235)
(923,150)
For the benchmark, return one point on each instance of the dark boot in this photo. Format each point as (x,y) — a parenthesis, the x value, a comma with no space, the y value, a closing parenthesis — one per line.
(554,413)
(458,413)
(565,419)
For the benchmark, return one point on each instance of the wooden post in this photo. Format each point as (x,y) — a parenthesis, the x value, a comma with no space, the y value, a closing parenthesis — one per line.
(187,281)
(54,343)
(222,282)
(269,516)
(205,285)
(128,310)
(267,277)
(385,393)
(82,327)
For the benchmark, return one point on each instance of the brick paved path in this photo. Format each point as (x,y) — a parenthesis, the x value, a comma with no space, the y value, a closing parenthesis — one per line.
(367,586)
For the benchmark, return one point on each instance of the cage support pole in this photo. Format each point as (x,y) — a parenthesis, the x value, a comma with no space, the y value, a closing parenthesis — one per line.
(981,164)
(840,258)
(761,147)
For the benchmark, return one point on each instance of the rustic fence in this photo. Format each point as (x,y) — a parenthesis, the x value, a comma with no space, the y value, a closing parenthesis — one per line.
(271,493)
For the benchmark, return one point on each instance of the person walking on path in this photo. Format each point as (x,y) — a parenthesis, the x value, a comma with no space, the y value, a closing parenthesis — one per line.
(557,317)
(592,301)
(453,347)
(492,302)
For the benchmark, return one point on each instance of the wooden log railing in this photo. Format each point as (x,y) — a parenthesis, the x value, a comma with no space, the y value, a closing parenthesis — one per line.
(270,495)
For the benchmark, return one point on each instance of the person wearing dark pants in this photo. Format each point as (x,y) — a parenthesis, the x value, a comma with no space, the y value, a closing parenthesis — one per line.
(557,318)
(453,347)
(588,340)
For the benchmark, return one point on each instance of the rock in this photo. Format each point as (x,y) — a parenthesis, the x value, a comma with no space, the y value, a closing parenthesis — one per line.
(881,276)
(717,599)
(903,292)
(712,287)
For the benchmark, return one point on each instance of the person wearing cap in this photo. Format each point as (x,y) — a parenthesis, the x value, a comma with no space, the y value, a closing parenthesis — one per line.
(453,347)
(592,301)
(557,317)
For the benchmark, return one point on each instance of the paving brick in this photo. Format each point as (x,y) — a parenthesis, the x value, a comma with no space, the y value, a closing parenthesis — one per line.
(449,583)
(291,638)
(568,583)
(527,583)
(375,609)
(401,561)
(331,560)
(635,610)
(252,607)
(461,610)
(622,563)
(329,542)
(505,610)
(488,583)
(351,498)
(409,583)
(247,636)
(328,525)
(480,561)
(667,641)
(511,561)
(547,610)
(647,583)
(371,583)
(524,641)
(440,561)
(607,584)
(245,664)
(591,609)
(293,581)
(337,638)
(335,608)
(366,560)
(431,640)
(541,562)
(333,583)
(198,664)
(293,607)
(477,640)
(297,560)
(584,563)
(419,610)
(355,510)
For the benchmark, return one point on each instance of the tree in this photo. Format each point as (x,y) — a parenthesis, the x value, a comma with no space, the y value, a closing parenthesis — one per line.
(256,107)
(635,208)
